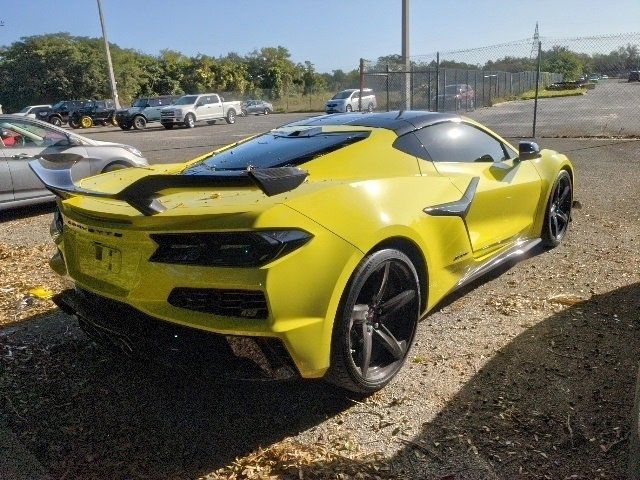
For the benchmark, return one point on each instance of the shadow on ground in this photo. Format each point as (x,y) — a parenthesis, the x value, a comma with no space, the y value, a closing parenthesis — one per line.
(555,402)
(84,414)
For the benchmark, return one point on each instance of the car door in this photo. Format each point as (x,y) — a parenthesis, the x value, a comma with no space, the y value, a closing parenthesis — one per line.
(252,107)
(504,191)
(152,112)
(23,141)
(355,100)
(215,106)
(6,185)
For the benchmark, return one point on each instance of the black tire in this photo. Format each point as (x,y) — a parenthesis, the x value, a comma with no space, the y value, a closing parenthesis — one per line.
(74,122)
(243,113)
(190,120)
(231,116)
(376,323)
(57,121)
(348,109)
(167,126)
(267,111)
(558,212)
(370,108)
(125,126)
(139,122)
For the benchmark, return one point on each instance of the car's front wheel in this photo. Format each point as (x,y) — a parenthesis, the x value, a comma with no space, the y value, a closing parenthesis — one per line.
(376,322)
(231,117)
(56,121)
(189,121)
(558,212)
(348,109)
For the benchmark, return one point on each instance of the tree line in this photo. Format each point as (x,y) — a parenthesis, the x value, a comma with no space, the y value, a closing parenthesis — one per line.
(48,68)
(557,59)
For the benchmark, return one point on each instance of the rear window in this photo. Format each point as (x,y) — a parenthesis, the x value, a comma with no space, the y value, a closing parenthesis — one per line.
(277,149)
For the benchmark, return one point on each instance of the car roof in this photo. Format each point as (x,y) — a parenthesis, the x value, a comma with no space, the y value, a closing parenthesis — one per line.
(400,121)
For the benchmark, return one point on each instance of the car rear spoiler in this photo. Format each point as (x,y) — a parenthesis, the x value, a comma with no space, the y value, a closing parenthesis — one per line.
(141,194)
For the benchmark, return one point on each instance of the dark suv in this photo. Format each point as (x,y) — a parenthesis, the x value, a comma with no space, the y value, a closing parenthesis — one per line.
(60,112)
(634,76)
(143,111)
(94,112)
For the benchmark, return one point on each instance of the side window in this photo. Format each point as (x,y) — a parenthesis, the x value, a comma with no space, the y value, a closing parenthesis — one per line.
(155,102)
(18,134)
(410,144)
(460,142)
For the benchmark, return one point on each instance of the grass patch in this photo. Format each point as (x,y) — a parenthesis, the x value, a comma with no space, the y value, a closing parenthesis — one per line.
(530,94)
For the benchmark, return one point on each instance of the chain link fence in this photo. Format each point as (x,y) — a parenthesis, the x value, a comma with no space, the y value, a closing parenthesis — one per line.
(585,86)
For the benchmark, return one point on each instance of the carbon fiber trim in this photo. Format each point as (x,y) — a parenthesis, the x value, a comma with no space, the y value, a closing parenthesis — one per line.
(459,208)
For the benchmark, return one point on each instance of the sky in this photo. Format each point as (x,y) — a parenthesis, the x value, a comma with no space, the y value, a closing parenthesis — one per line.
(332,34)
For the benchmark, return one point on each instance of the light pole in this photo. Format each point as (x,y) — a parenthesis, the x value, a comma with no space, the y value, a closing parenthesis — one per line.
(405,54)
(112,78)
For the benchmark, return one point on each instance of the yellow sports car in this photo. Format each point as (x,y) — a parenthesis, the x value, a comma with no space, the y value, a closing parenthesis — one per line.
(319,244)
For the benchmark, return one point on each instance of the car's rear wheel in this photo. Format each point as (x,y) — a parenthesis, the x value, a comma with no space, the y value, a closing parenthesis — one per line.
(231,116)
(167,126)
(86,121)
(125,126)
(376,322)
(74,122)
(189,120)
(56,121)
(370,108)
(558,212)
(267,111)
(348,109)
(139,122)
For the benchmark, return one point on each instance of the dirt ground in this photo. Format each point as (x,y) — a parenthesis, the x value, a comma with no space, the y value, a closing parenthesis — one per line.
(527,374)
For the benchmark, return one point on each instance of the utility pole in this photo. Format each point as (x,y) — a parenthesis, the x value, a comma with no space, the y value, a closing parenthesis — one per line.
(405,54)
(112,78)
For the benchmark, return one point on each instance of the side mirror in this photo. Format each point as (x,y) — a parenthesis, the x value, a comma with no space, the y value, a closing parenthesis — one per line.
(528,150)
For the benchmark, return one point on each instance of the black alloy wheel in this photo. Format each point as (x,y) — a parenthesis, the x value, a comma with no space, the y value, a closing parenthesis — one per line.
(558,213)
(375,327)
(231,117)
(189,121)
(56,121)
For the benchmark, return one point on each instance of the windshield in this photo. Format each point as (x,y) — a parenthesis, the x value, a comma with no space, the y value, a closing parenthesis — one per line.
(25,110)
(341,95)
(276,149)
(187,100)
(141,102)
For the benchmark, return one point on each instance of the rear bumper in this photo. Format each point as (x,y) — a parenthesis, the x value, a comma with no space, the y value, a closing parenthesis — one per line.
(121,327)
(301,290)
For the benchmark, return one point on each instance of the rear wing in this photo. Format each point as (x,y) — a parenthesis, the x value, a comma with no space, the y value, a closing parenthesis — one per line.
(142,194)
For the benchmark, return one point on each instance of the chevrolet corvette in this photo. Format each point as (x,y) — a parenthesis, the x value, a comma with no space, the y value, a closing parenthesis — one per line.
(322,242)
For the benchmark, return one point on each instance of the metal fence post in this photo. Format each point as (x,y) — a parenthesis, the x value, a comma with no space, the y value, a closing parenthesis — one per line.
(437,80)
(387,87)
(361,83)
(535,103)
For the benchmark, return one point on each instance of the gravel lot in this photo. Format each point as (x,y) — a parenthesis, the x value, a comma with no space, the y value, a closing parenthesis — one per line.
(529,374)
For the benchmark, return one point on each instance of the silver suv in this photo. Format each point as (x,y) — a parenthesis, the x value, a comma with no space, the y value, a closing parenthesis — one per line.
(349,101)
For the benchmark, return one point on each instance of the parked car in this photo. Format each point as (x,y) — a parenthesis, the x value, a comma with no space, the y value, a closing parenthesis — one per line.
(189,109)
(322,242)
(94,112)
(634,76)
(455,97)
(24,139)
(32,110)
(256,107)
(349,101)
(60,112)
(144,110)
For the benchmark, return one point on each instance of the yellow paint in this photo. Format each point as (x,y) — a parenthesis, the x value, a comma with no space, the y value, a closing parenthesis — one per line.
(353,200)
